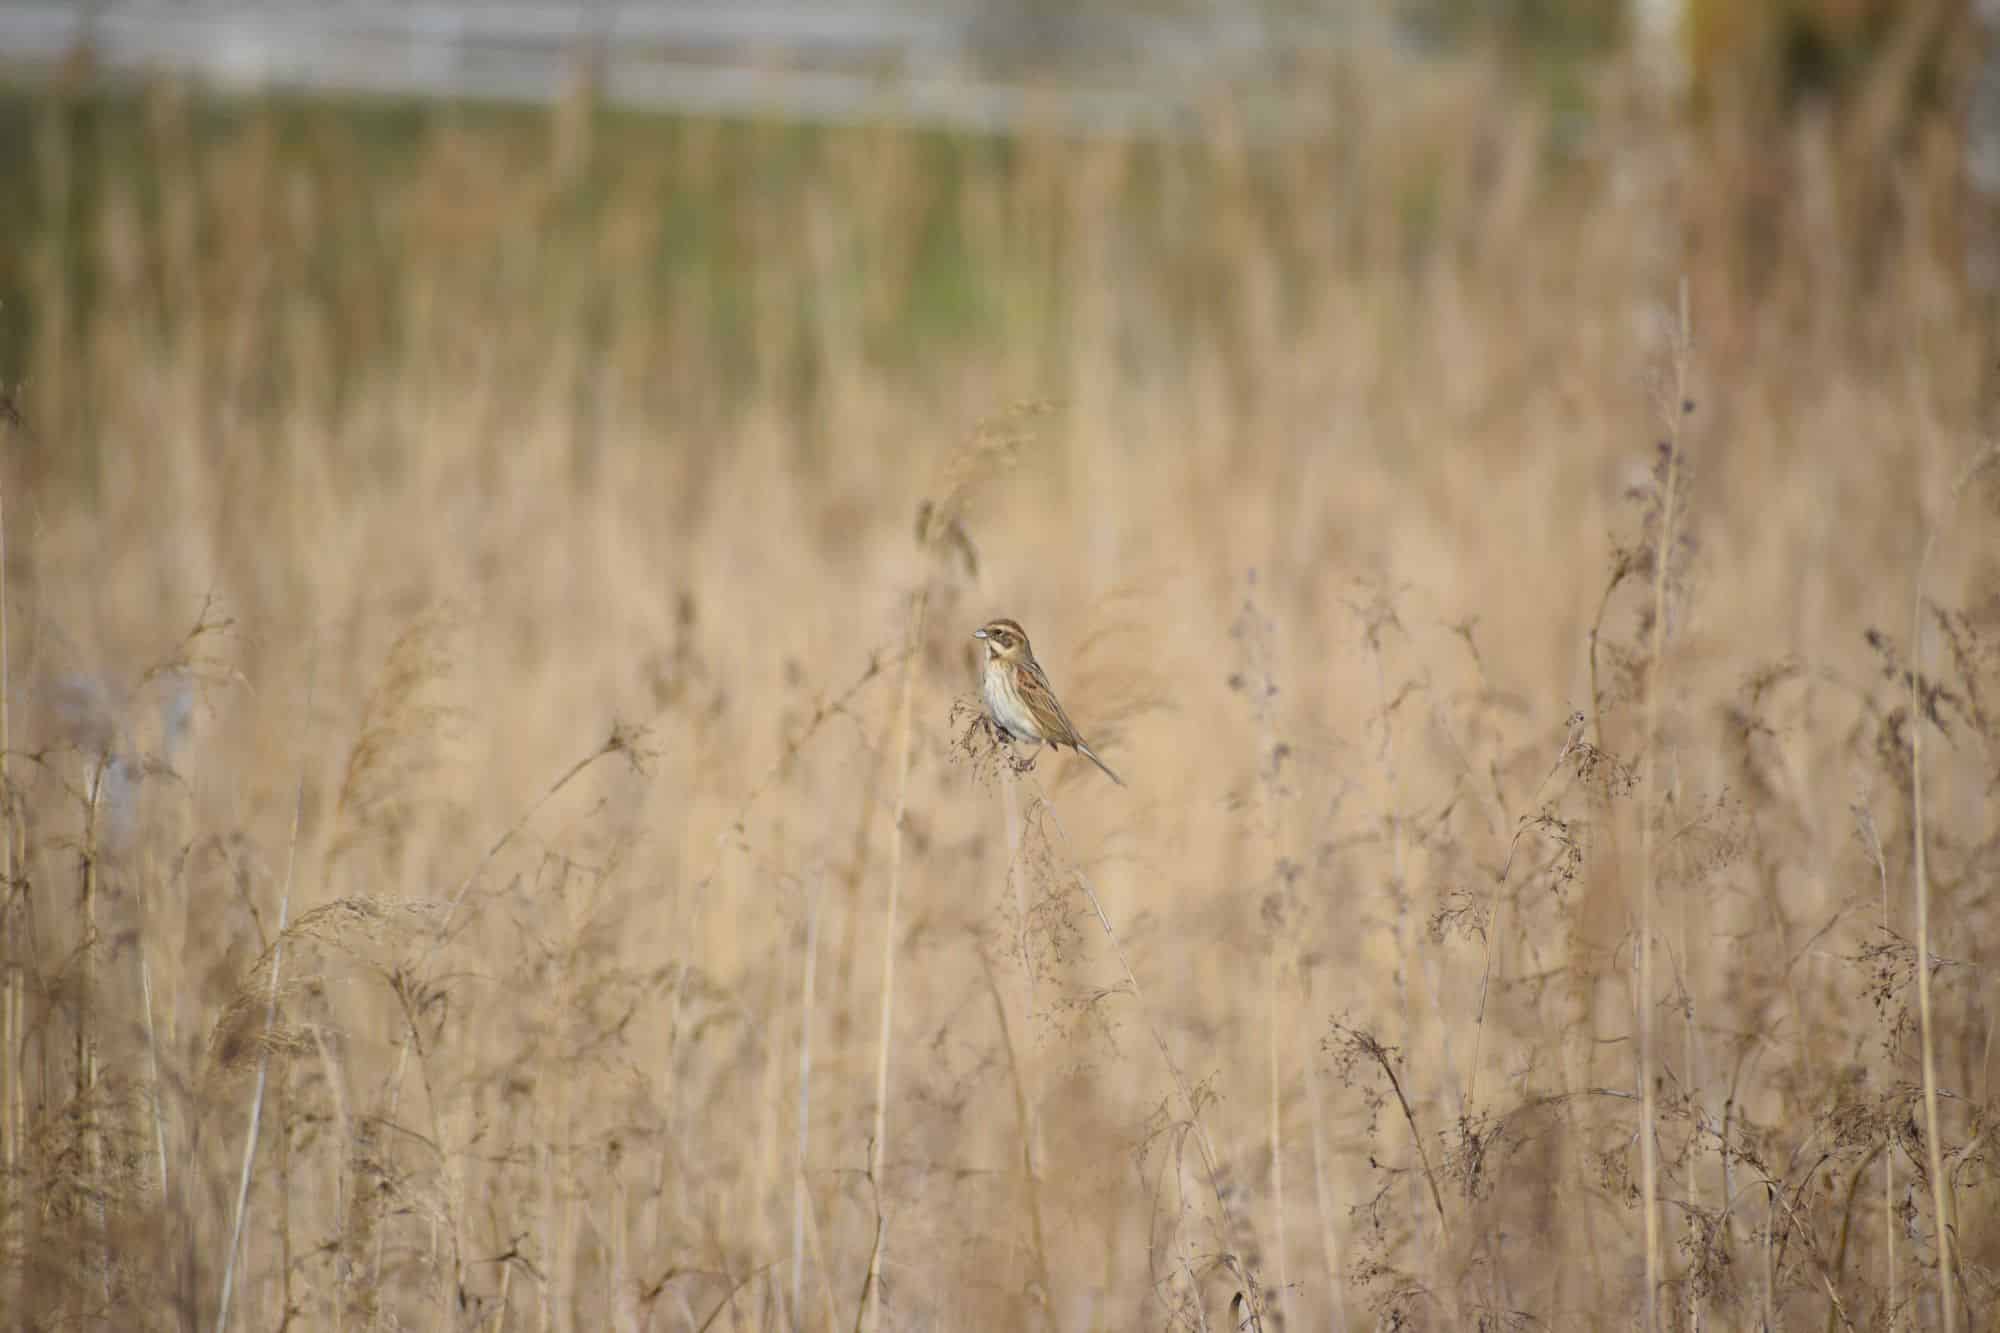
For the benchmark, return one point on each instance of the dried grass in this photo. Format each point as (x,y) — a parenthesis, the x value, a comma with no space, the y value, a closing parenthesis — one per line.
(1522,913)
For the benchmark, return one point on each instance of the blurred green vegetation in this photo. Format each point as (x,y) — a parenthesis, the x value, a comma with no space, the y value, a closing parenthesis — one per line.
(713,263)
(707,264)
(362,197)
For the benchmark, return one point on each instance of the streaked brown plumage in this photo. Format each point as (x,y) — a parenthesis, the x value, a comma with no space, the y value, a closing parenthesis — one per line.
(1018,695)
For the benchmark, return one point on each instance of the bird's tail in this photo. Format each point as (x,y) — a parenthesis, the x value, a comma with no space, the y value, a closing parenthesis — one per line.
(1087,753)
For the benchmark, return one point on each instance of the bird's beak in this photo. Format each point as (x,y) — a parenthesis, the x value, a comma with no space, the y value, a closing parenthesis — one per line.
(979,634)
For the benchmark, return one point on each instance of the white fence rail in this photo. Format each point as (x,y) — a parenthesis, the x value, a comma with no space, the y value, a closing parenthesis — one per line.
(996,65)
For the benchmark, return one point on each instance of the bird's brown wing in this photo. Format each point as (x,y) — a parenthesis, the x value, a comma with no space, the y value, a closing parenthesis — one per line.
(1057,729)
(1040,697)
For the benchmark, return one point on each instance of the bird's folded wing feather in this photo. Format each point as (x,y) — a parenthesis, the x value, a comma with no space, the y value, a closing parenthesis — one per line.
(1039,695)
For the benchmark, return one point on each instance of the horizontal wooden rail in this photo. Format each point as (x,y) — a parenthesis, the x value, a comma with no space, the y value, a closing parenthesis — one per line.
(985,67)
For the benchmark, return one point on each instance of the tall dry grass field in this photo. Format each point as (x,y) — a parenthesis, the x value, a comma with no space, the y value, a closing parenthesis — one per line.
(497,836)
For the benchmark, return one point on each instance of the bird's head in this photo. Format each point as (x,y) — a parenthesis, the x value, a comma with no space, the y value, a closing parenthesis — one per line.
(1005,639)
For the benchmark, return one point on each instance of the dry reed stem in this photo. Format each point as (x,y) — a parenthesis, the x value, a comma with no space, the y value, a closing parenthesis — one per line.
(1941,1211)
(623,740)
(1865,823)
(868,1306)
(878,1141)
(1275,1105)
(1375,618)
(871,1294)
(13,957)
(831,1317)
(1210,1160)
(1025,1117)
(158,1096)
(991,447)
(1283,948)
(1379,1053)
(808,1001)
(1322,1192)
(1691,1054)
(1649,1148)
(264,1056)
(343,1127)
(98,1255)
(1021,1062)
(390,384)
(1495,902)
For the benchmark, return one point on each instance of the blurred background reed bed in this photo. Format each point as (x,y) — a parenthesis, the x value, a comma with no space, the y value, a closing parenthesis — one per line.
(553,511)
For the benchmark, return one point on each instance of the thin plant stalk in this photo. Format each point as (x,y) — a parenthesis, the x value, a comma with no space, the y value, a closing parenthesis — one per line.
(1283,954)
(86,1041)
(1495,902)
(1017,885)
(1027,1076)
(264,1058)
(878,1145)
(1406,939)
(1187,1252)
(86,1022)
(1874,841)
(1211,1162)
(13,1099)
(620,741)
(1024,1115)
(1025,1097)
(818,1247)
(806,1006)
(1276,1130)
(1691,1053)
(256,1110)
(1329,1234)
(153,1054)
(343,1125)
(1770,1264)
(1649,1151)
(1940,1198)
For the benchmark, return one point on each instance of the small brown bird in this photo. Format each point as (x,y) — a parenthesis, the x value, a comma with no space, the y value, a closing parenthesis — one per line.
(1020,699)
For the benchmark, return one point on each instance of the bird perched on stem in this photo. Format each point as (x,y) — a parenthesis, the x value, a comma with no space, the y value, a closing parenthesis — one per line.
(1019,699)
